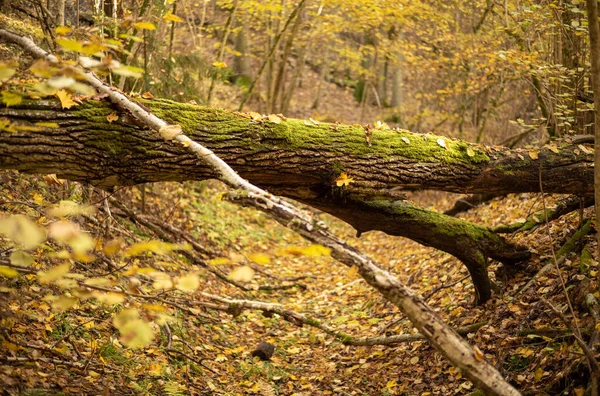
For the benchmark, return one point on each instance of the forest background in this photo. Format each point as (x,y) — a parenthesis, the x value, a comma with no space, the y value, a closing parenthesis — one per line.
(153,321)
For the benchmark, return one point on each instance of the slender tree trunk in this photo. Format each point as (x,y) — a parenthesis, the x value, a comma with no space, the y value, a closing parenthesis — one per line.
(594,29)
(226,31)
(270,54)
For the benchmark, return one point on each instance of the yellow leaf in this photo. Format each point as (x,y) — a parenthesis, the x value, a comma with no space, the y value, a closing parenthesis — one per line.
(62,303)
(70,234)
(539,373)
(145,25)
(6,126)
(112,247)
(343,180)
(170,132)
(47,124)
(54,274)
(316,250)
(109,297)
(219,261)
(52,180)
(274,119)
(136,334)
(154,246)
(260,258)
(172,18)
(8,272)
(66,99)
(188,283)
(62,30)
(293,350)
(353,271)
(470,152)
(98,282)
(442,143)
(478,353)
(22,230)
(405,140)
(414,360)
(70,208)
(155,307)
(391,384)
(21,258)
(6,72)
(147,95)
(255,116)
(241,274)
(69,45)
(128,71)
(533,154)
(553,148)
(219,65)
(11,98)
(381,125)
(112,117)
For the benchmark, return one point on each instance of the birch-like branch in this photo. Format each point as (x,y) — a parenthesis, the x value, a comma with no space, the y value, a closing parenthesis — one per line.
(429,324)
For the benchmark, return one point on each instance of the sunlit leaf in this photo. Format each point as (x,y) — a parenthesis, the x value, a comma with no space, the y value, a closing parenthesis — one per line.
(154,246)
(10,98)
(21,258)
(70,234)
(128,71)
(135,333)
(145,26)
(109,297)
(343,180)
(69,45)
(172,18)
(62,303)
(260,258)
(6,72)
(8,272)
(66,99)
(219,261)
(70,208)
(54,274)
(241,274)
(112,117)
(188,283)
(112,247)
(22,230)
(63,30)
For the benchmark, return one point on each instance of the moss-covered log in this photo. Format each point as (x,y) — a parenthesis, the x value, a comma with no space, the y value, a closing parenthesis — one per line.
(298,156)
(299,159)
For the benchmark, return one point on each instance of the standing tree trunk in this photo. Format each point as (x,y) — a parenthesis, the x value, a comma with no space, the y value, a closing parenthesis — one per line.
(592,11)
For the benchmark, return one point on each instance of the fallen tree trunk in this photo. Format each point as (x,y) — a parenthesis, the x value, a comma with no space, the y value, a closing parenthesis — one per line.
(301,160)
(298,157)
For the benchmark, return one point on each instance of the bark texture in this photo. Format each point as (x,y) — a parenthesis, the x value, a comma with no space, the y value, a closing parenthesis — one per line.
(299,159)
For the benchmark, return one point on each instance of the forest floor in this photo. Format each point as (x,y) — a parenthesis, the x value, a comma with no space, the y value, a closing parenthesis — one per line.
(77,351)
(50,350)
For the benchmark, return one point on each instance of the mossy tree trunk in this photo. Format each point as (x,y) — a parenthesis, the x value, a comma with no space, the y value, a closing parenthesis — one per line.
(299,159)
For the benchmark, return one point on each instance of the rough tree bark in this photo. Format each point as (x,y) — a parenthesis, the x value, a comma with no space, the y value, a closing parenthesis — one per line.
(301,160)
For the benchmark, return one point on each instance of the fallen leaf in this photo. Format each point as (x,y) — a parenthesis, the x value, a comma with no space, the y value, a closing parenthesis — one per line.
(534,154)
(241,274)
(66,99)
(112,117)
(343,180)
